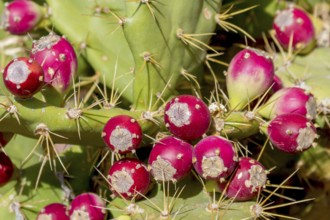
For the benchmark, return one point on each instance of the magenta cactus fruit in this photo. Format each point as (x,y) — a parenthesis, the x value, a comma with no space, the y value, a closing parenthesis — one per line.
(5,137)
(87,206)
(277,84)
(187,117)
(214,158)
(129,178)
(250,74)
(58,60)
(122,134)
(247,181)
(6,168)
(296,23)
(291,133)
(290,100)
(21,16)
(53,211)
(170,159)
(23,77)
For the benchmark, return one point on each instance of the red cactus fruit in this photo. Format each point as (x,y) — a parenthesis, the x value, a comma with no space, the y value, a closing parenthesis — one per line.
(5,137)
(58,60)
(170,159)
(6,168)
(23,77)
(122,134)
(187,117)
(214,158)
(247,181)
(21,16)
(291,133)
(53,211)
(129,178)
(250,74)
(290,100)
(87,206)
(294,22)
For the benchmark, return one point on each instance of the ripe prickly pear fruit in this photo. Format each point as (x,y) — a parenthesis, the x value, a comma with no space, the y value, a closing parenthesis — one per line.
(170,159)
(187,117)
(21,16)
(250,74)
(87,206)
(122,134)
(290,100)
(247,181)
(6,168)
(53,211)
(291,133)
(129,178)
(5,137)
(23,77)
(294,23)
(58,60)
(214,158)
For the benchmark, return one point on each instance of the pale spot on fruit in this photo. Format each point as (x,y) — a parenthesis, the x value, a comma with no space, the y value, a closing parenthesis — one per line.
(258,178)
(246,55)
(80,214)
(50,71)
(45,42)
(239,176)
(284,19)
(311,108)
(45,217)
(179,114)
(212,166)
(121,138)
(121,181)
(162,169)
(18,72)
(305,138)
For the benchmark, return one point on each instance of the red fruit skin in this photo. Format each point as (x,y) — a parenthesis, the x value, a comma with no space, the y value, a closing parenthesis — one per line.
(172,157)
(6,168)
(291,133)
(5,137)
(277,84)
(250,74)
(23,77)
(87,204)
(21,16)
(53,211)
(58,60)
(122,134)
(296,22)
(291,100)
(221,151)
(241,186)
(129,178)
(187,117)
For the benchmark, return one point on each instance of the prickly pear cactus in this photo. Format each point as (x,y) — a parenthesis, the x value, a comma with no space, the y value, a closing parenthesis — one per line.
(128,90)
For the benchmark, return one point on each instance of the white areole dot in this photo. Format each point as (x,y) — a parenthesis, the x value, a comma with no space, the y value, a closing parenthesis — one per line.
(179,114)
(18,72)
(121,139)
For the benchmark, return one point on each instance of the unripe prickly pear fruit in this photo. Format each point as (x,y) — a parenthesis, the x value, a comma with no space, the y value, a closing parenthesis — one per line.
(294,23)
(21,16)
(58,60)
(291,133)
(289,100)
(250,74)
(23,77)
